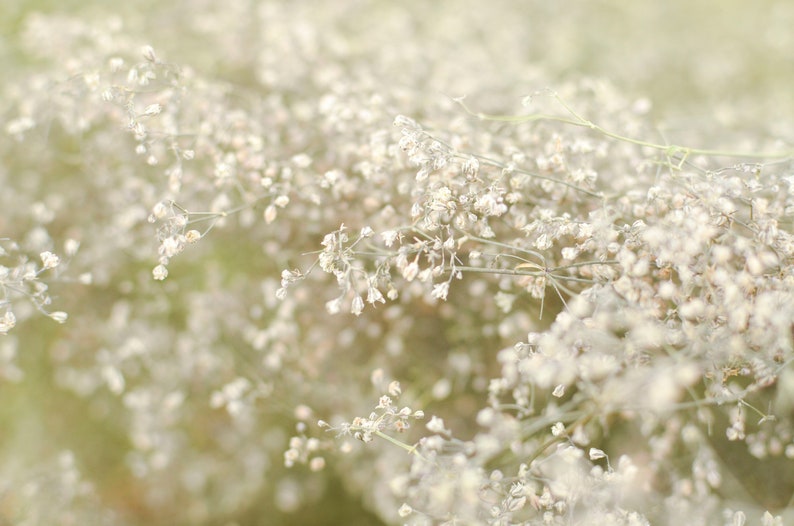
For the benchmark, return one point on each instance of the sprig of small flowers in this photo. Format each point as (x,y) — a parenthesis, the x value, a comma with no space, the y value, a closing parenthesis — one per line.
(24,279)
(386,417)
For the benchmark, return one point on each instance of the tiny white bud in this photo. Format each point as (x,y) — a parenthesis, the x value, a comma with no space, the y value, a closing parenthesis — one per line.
(558,429)
(410,271)
(160,210)
(152,109)
(59,316)
(596,454)
(317,464)
(148,53)
(270,214)
(70,247)
(394,388)
(160,272)
(191,236)
(357,306)
(49,260)
(405,510)
(436,425)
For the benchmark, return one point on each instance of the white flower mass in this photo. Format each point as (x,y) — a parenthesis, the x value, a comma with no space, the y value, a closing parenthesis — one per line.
(526,263)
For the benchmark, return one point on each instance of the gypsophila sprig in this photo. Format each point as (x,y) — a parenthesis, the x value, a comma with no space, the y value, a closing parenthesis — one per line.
(387,417)
(24,279)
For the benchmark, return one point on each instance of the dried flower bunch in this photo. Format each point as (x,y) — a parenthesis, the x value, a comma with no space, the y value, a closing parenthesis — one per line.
(303,287)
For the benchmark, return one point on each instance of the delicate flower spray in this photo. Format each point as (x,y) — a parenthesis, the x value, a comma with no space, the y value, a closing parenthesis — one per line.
(301,287)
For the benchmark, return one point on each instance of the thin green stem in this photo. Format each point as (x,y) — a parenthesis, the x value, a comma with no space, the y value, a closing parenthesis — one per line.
(668,149)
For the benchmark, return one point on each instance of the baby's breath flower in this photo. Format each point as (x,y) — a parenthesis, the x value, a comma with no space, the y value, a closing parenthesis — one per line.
(374,295)
(558,429)
(317,464)
(405,510)
(59,316)
(152,110)
(570,253)
(49,260)
(191,236)
(596,454)
(7,322)
(436,425)
(394,388)
(158,212)
(410,271)
(440,290)
(149,54)
(70,247)
(389,237)
(334,306)
(270,214)
(357,306)
(160,272)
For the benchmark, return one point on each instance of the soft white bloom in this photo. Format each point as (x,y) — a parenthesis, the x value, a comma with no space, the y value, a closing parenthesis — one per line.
(160,272)
(411,271)
(440,290)
(160,210)
(19,125)
(49,260)
(374,295)
(148,53)
(543,242)
(436,425)
(71,246)
(570,253)
(317,464)
(152,109)
(504,301)
(334,306)
(596,454)
(357,306)
(59,316)
(270,214)
(394,388)
(692,309)
(113,378)
(7,322)
(171,246)
(558,429)
(191,236)
(302,160)
(490,205)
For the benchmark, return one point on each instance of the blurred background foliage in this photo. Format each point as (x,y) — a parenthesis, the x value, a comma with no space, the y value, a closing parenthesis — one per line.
(715,61)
